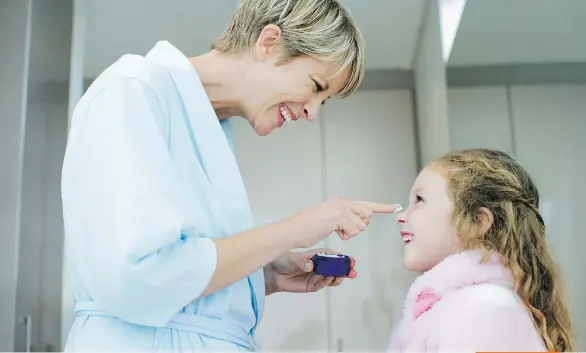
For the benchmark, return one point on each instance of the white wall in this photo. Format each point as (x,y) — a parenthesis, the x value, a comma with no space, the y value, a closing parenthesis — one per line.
(29,276)
(363,147)
(283,173)
(33,128)
(479,116)
(550,131)
(41,234)
(370,153)
(431,93)
(544,128)
(14,35)
(52,234)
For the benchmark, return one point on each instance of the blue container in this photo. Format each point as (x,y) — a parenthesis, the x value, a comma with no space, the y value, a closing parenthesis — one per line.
(331,265)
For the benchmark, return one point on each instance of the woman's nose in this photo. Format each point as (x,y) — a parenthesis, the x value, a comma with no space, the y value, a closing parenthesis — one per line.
(310,111)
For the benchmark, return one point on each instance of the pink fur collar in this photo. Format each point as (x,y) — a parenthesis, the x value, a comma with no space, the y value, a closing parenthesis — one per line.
(454,272)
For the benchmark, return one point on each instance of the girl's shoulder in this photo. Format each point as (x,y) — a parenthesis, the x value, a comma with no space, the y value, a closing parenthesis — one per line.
(485,317)
(476,300)
(486,294)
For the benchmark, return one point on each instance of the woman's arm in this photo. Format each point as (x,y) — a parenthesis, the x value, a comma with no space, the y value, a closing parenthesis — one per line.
(244,253)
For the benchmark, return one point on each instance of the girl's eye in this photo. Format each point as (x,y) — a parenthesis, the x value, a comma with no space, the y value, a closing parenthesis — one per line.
(418,199)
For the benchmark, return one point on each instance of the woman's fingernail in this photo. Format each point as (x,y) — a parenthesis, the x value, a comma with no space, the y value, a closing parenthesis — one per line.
(307,266)
(399,208)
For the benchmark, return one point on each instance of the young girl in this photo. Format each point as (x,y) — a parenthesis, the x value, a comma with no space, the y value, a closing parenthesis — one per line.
(488,281)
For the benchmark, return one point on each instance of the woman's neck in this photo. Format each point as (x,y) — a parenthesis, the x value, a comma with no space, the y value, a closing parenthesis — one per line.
(222,77)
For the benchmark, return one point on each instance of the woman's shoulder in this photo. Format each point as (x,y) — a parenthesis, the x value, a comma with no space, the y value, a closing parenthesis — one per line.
(132,68)
(132,80)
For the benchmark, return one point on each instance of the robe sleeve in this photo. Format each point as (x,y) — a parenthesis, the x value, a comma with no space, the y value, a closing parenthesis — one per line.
(137,251)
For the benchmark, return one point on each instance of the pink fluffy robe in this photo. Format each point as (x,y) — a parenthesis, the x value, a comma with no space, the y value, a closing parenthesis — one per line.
(464,305)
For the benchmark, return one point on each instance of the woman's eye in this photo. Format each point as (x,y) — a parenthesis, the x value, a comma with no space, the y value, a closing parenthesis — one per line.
(318,87)
(418,199)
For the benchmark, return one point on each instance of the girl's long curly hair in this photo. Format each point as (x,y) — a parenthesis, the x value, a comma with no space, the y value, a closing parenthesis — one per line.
(483,178)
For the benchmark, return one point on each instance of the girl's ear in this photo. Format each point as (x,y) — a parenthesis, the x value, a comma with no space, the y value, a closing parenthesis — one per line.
(484,219)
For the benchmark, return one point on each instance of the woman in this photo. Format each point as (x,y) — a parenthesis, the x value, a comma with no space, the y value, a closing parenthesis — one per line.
(162,248)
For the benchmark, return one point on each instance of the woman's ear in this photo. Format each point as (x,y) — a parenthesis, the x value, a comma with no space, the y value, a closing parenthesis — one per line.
(484,219)
(267,44)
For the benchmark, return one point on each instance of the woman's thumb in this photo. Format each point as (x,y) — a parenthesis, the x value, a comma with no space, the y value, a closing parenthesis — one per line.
(303,262)
(307,265)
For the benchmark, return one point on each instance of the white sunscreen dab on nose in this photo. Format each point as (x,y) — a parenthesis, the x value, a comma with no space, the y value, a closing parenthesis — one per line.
(399,208)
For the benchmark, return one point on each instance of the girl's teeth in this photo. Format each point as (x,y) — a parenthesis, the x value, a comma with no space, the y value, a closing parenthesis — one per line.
(407,238)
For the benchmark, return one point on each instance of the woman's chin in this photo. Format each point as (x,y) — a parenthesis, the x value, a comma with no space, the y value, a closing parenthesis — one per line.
(263,130)
(260,128)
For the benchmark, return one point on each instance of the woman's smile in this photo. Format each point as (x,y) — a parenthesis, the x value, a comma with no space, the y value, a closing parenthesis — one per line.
(285,114)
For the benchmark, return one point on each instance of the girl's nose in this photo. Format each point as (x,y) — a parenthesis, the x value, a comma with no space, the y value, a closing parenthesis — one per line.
(401,218)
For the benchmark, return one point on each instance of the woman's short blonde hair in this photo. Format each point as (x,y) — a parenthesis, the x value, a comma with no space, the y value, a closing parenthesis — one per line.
(322,29)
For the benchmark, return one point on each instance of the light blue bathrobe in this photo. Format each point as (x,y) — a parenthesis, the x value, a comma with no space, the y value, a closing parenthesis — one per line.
(149,177)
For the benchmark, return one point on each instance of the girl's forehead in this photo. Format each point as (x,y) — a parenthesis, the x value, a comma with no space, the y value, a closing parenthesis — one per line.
(428,179)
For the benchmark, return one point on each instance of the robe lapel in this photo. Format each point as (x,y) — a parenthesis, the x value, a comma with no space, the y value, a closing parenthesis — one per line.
(215,144)
(217,157)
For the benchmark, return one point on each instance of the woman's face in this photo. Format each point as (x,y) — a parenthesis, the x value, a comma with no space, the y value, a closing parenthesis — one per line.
(281,93)
(428,233)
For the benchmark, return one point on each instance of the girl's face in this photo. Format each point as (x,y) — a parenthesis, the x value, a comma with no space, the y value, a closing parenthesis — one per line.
(428,232)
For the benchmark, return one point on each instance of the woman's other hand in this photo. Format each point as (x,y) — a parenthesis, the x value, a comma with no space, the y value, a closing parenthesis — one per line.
(293,273)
